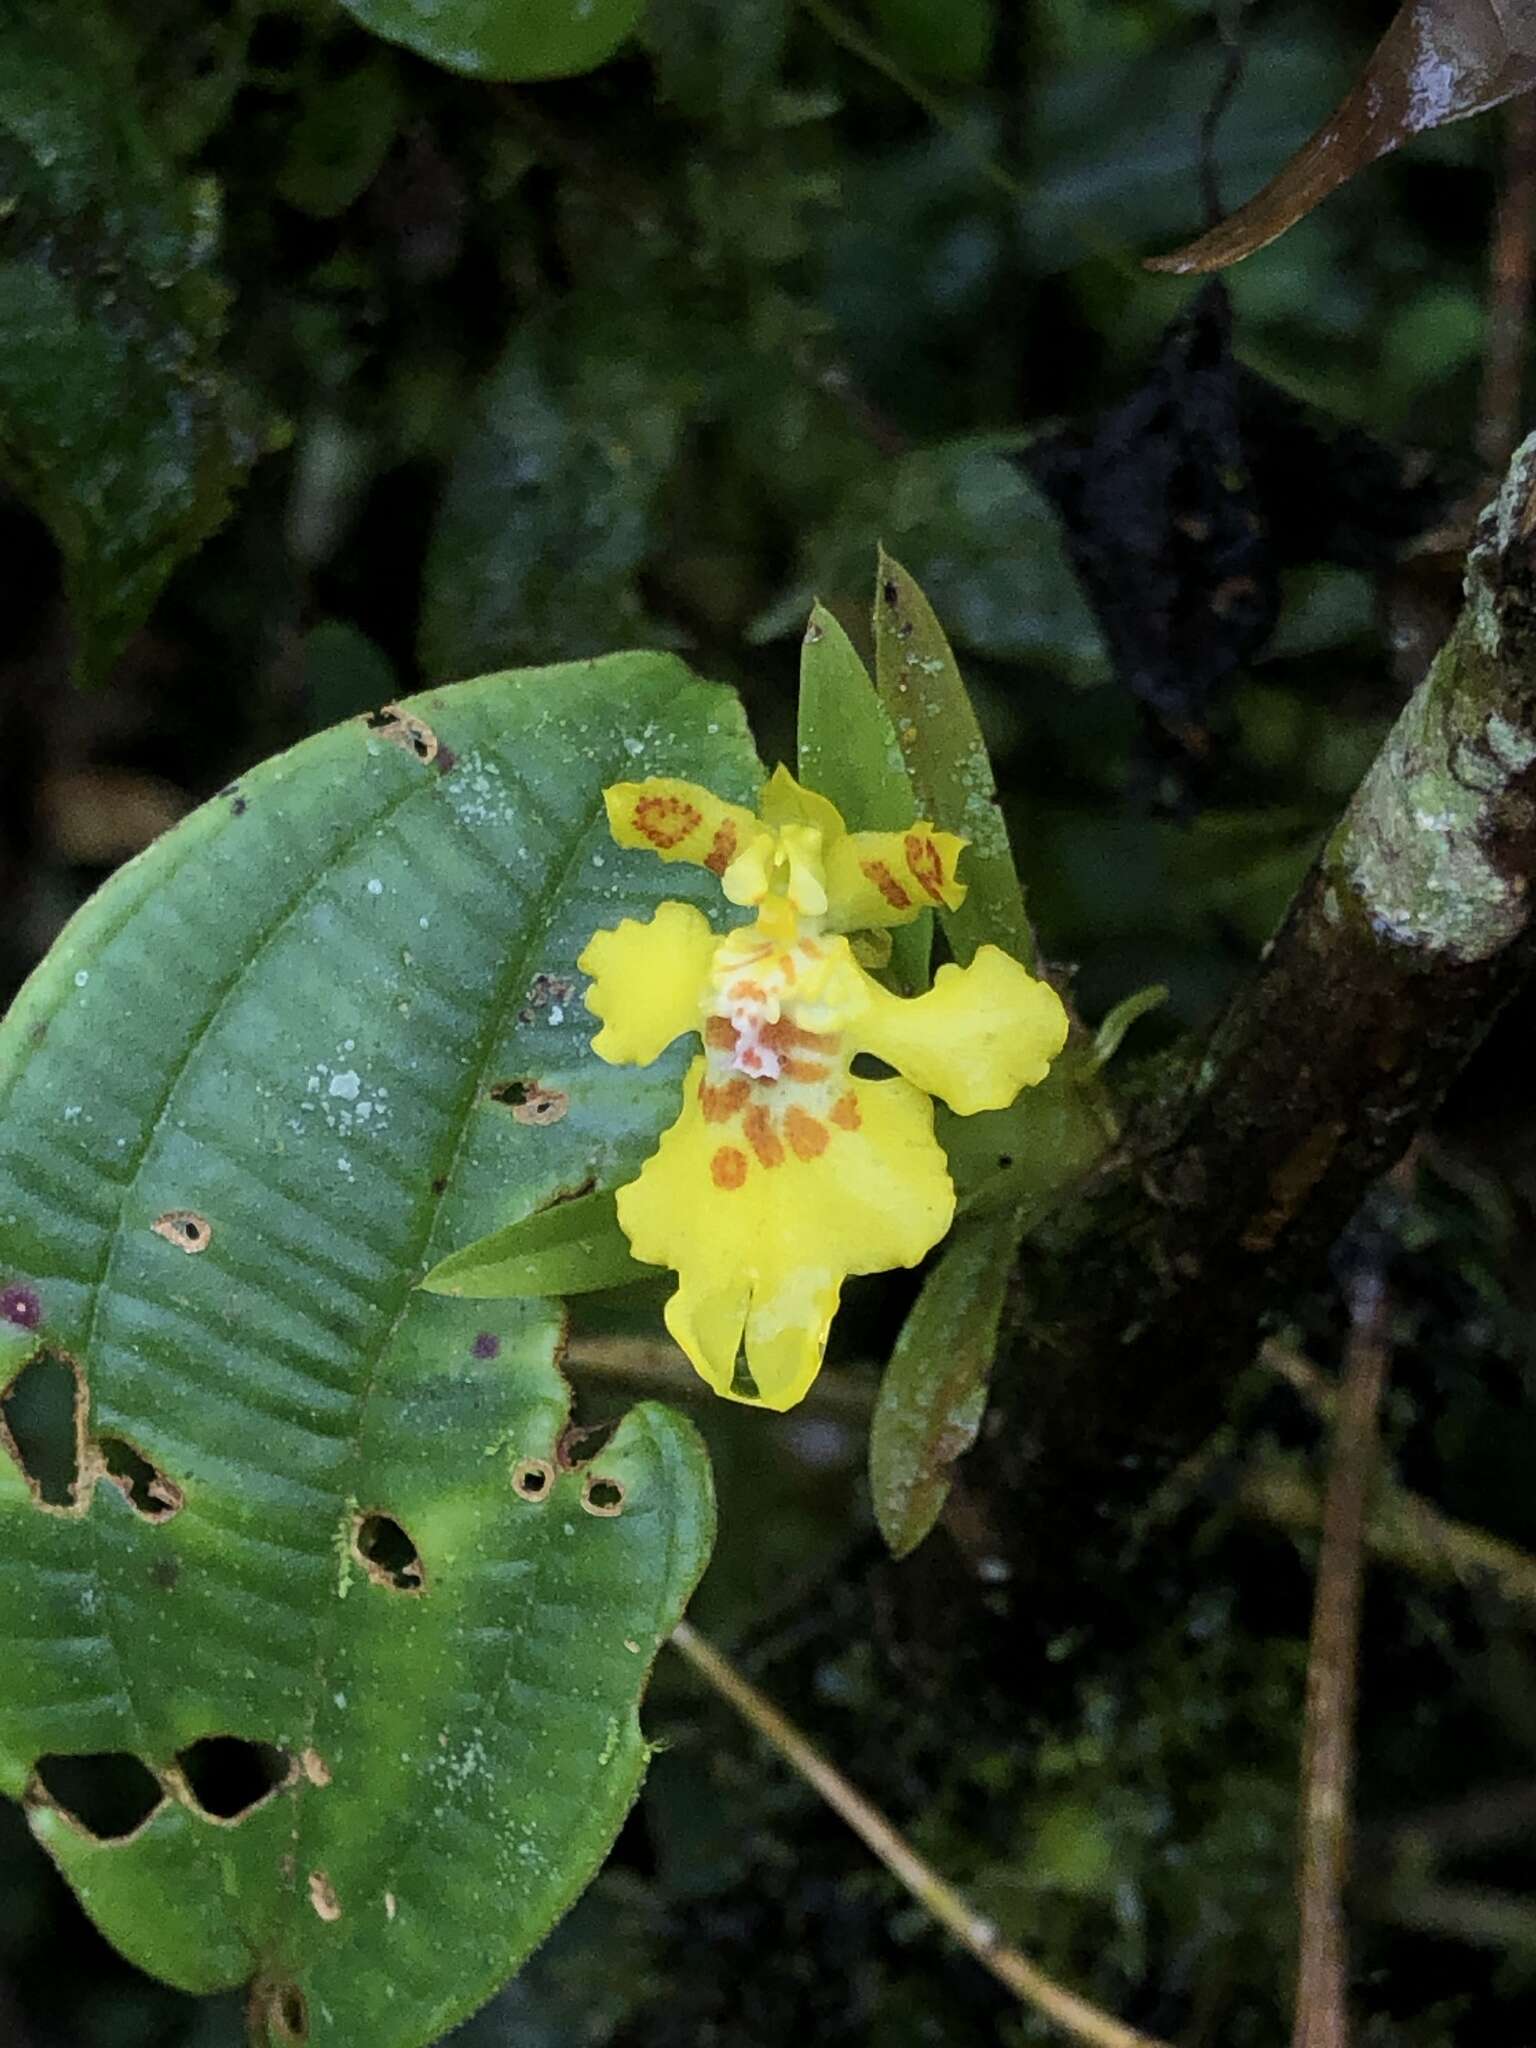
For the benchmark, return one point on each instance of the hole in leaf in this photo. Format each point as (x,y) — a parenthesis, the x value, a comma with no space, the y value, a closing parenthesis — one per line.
(110,1795)
(391,1558)
(532,1478)
(281,2010)
(146,1487)
(602,1496)
(531,1102)
(230,1777)
(185,1229)
(401,729)
(43,1415)
(580,1443)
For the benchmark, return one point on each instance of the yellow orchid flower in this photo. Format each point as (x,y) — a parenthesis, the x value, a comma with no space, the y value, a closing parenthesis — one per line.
(786,1172)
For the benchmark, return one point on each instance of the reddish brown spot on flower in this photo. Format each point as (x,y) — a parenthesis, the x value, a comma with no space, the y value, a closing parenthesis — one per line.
(845,1112)
(666,820)
(722,849)
(721,1104)
(762,1137)
(877,872)
(728,1168)
(926,862)
(720,1032)
(808,1136)
(803,1070)
(785,1037)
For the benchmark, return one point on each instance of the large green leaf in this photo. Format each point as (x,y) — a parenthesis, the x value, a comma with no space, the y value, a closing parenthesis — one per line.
(256,1090)
(505,38)
(116,422)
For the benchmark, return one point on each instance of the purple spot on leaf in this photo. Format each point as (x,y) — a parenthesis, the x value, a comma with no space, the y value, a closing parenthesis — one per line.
(21,1305)
(487,1345)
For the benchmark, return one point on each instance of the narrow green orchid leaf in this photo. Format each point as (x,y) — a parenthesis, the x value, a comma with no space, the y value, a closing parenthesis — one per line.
(849,752)
(934,1392)
(324,1031)
(1110,1035)
(505,39)
(574,1248)
(920,685)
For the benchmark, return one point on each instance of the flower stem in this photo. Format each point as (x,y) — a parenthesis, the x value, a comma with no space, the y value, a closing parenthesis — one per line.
(1082,2021)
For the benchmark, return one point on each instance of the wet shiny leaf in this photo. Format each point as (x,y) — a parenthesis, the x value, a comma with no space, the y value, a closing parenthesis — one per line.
(1439,61)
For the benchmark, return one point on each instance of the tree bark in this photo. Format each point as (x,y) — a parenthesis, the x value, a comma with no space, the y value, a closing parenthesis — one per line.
(1415,925)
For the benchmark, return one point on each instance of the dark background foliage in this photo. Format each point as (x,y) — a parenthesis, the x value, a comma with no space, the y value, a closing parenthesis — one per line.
(490,375)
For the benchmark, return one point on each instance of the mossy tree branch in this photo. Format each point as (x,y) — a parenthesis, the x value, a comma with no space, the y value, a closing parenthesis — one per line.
(1415,925)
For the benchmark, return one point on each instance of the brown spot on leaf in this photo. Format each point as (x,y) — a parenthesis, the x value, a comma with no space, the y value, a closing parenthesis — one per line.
(185,1229)
(314,1767)
(322,1896)
(403,729)
(531,1102)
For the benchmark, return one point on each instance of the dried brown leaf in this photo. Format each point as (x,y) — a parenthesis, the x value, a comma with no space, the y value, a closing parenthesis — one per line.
(1440,61)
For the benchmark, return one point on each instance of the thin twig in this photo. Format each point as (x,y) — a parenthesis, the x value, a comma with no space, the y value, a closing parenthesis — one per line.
(1512,259)
(1328,1753)
(1228,21)
(1030,1985)
(1405,1530)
